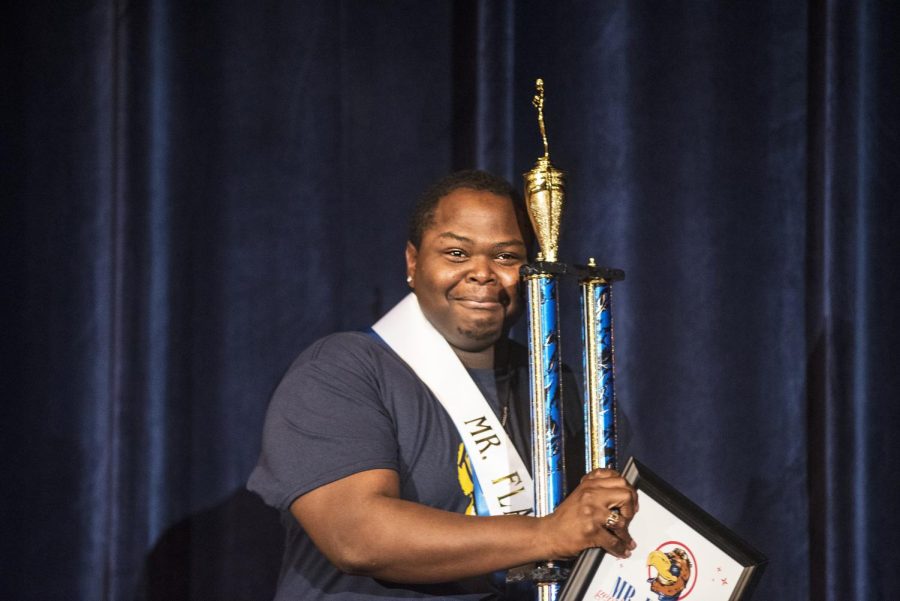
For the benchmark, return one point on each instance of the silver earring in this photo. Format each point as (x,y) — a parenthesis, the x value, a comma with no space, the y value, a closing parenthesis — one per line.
(409,279)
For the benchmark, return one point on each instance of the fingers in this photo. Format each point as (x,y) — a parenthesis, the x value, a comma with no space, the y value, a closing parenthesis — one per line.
(618,526)
(612,479)
(596,514)
(615,493)
(614,502)
(611,543)
(599,473)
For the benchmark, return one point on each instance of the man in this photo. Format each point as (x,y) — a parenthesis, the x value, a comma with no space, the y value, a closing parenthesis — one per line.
(366,461)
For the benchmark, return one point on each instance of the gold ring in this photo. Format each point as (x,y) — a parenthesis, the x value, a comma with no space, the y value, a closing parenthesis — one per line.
(613,518)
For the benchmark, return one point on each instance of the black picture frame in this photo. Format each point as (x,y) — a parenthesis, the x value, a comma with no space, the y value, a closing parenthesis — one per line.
(648,484)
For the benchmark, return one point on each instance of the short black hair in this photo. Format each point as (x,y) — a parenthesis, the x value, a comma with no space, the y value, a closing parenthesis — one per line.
(472,179)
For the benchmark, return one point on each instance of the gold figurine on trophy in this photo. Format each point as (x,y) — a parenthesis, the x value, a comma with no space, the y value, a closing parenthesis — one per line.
(544,192)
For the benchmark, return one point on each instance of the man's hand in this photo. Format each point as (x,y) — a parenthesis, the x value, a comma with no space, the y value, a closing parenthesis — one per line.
(583,519)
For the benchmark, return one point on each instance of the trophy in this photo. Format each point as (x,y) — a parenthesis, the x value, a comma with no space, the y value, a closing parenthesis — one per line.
(544,197)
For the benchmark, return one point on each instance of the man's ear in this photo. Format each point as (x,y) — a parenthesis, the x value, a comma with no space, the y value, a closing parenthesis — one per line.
(412,254)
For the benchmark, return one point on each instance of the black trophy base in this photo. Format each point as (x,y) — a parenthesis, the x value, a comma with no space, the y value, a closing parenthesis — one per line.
(556,571)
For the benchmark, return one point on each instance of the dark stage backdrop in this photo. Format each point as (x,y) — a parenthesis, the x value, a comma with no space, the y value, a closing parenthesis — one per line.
(194,191)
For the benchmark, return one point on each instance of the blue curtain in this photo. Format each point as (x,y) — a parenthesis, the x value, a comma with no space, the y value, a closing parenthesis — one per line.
(195,191)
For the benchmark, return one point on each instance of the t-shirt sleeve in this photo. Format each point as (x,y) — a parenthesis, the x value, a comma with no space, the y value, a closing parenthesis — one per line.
(326,421)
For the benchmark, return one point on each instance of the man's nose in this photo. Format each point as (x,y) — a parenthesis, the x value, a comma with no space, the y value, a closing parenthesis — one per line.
(481,270)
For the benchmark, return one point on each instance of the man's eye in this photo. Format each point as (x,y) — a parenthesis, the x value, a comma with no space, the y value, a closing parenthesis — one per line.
(456,253)
(508,257)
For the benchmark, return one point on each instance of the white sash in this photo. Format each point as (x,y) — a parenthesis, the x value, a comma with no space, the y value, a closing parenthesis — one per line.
(502,474)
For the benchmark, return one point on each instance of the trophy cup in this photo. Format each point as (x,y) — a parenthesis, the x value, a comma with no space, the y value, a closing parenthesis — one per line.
(544,197)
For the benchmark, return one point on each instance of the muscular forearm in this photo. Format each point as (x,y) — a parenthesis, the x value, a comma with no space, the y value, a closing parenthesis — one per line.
(363,527)
(403,541)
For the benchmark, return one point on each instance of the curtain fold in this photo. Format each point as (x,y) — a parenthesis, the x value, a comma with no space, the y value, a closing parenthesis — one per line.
(193,193)
(852,329)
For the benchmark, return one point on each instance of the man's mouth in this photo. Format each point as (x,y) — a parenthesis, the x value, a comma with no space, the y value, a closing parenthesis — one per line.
(486,304)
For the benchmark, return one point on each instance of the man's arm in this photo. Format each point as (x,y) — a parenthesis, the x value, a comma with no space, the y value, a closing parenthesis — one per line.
(363,527)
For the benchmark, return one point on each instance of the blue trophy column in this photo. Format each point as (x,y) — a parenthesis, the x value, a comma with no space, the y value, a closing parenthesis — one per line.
(546,411)
(599,398)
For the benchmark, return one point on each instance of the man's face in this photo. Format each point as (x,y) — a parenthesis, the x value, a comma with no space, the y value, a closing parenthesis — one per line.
(465,272)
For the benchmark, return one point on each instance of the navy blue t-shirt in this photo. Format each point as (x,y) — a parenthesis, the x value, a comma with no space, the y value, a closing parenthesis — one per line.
(349,404)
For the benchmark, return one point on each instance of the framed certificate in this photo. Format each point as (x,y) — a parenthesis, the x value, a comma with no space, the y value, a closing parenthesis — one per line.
(682,553)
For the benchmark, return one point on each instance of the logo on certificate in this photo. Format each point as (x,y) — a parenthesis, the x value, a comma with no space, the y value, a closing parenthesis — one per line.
(671,571)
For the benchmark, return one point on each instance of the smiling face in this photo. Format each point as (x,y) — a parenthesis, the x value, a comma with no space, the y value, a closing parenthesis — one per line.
(465,272)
